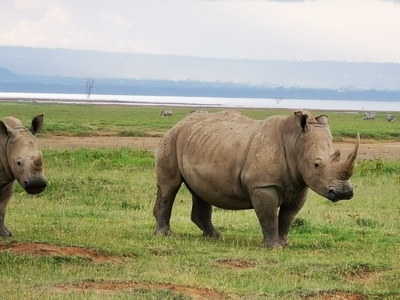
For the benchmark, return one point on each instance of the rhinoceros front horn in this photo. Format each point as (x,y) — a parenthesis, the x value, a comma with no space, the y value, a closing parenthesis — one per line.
(38,162)
(348,166)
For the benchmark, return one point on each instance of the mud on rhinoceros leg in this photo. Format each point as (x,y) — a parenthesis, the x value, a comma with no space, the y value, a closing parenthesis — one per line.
(266,202)
(201,216)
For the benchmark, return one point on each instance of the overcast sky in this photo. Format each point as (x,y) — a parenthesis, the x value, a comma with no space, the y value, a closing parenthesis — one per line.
(338,30)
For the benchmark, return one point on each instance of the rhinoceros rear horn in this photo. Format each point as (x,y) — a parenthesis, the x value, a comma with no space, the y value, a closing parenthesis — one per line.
(348,166)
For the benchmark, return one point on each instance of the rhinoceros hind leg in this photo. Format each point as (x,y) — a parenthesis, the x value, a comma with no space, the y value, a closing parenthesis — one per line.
(163,207)
(201,216)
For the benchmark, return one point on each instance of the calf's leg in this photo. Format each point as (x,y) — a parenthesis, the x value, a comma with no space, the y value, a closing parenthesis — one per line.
(5,195)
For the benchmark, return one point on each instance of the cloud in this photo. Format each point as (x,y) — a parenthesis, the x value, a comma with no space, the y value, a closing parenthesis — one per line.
(258,29)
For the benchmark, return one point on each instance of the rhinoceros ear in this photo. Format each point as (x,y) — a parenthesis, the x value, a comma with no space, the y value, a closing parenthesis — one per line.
(5,131)
(37,124)
(323,120)
(301,119)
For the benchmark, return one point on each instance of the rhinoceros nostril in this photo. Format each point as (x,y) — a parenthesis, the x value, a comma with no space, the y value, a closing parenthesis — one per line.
(331,195)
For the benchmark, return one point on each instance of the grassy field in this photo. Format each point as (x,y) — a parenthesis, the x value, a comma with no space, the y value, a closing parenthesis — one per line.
(90,234)
(85,120)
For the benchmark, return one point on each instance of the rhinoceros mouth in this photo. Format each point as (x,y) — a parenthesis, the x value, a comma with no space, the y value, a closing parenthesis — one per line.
(335,196)
(34,186)
(33,191)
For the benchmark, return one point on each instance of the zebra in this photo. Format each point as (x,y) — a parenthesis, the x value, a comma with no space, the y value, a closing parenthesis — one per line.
(166,113)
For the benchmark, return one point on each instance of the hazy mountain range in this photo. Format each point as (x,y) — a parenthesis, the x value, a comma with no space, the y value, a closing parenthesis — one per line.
(24,69)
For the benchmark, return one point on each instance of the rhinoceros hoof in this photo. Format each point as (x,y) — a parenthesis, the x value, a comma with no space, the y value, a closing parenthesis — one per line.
(274,244)
(164,232)
(213,234)
(4,232)
(287,243)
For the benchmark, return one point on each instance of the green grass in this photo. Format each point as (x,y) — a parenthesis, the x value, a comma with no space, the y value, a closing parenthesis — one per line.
(92,120)
(102,200)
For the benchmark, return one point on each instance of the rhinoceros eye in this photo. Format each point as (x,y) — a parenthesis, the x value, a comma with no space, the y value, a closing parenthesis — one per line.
(19,162)
(317,164)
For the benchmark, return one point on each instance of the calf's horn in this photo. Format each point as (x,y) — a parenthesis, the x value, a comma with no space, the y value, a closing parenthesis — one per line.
(348,166)
(38,162)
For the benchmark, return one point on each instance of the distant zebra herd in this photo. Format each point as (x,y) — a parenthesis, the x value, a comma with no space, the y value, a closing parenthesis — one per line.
(371,116)
(367,116)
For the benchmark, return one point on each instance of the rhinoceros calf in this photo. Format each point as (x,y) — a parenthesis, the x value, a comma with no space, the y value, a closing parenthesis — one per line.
(20,160)
(233,162)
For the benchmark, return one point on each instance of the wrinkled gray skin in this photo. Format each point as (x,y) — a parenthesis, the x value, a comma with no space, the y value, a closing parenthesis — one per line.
(20,160)
(230,161)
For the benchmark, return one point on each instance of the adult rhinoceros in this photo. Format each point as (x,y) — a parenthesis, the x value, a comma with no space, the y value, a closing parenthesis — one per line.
(20,160)
(233,162)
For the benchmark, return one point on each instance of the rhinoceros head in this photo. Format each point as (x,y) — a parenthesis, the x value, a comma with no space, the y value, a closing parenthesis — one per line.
(24,161)
(321,167)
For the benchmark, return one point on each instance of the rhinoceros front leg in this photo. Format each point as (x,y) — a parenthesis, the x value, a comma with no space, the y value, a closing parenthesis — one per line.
(265,203)
(4,232)
(201,216)
(5,195)
(288,212)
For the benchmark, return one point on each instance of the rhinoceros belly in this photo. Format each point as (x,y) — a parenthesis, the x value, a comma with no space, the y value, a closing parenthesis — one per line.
(227,197)
(216,180)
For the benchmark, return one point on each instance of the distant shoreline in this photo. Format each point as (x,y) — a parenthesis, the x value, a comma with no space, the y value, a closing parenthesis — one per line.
(103,102)
(211,102)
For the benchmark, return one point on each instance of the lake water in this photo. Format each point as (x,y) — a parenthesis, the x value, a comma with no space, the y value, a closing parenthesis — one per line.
(340,105)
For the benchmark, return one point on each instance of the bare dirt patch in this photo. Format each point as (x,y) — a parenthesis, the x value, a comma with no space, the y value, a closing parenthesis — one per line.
(55,250)
(389,151)
(196,293)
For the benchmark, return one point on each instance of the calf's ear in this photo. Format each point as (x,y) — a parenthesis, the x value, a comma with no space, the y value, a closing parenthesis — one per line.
(5,131)
(37,124)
